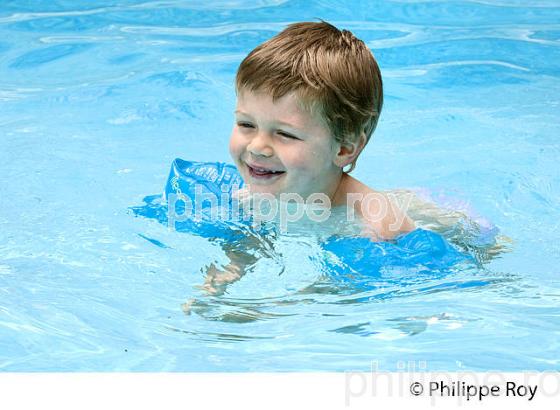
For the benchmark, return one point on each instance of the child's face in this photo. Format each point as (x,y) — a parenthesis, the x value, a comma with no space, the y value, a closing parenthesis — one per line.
(279,147)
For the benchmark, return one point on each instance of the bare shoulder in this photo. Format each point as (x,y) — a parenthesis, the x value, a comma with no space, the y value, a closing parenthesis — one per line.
(382,215)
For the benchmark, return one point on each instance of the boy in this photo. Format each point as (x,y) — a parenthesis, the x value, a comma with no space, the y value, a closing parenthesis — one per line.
(308,101)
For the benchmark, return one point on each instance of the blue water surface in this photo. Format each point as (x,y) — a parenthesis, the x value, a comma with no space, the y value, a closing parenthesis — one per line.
(98,98)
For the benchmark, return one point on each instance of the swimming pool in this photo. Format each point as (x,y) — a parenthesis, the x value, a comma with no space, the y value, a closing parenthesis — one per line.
(96,100)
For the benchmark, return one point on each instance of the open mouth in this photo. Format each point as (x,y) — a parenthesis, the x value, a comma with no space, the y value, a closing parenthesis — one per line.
(263,173)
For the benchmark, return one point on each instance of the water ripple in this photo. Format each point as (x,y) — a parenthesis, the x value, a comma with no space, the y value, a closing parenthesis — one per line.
(78,39)
(208,31)
(42,56)
(210,5)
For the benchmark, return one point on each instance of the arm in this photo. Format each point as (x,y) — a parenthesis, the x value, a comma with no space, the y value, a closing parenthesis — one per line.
(240,262)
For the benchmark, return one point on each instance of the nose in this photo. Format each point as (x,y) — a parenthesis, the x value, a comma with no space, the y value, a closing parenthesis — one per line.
(260,145)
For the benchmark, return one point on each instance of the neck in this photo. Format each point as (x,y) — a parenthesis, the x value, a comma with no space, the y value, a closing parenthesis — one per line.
(338,197)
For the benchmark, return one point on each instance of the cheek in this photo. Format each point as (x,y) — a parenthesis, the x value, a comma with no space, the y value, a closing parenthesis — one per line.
(235,144)
(311,160)
(298,160)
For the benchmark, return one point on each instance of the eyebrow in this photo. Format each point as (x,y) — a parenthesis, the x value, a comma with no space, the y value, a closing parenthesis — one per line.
(241,112)
(276,122)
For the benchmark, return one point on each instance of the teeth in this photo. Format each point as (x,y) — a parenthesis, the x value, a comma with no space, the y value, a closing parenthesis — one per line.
(266,170)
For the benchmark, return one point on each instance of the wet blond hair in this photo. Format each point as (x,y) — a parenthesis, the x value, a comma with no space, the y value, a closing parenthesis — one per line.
(332,72)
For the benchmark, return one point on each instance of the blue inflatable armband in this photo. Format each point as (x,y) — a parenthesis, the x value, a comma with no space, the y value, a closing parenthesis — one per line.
(209,179)
(418,248)
(197,199)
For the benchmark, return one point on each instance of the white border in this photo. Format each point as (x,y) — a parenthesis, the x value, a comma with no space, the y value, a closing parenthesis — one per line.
(220,391)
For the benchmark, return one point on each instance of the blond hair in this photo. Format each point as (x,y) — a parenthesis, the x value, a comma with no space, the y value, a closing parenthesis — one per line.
(332,72)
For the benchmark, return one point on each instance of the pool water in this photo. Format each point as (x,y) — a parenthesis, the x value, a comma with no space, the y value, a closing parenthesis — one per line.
(97,99)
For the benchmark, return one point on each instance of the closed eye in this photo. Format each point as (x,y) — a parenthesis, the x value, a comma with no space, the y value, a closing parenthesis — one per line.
(245,125)
(286,135)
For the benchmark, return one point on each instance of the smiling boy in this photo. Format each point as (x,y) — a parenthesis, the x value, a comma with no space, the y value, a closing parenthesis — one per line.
(308,101)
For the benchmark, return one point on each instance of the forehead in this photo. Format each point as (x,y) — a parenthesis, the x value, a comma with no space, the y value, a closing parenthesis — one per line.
(288,108)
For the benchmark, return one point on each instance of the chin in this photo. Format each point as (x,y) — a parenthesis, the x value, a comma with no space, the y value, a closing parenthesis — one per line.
(260,189)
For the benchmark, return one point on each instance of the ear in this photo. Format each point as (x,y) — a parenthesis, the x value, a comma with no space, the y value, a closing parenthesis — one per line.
(348,151)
